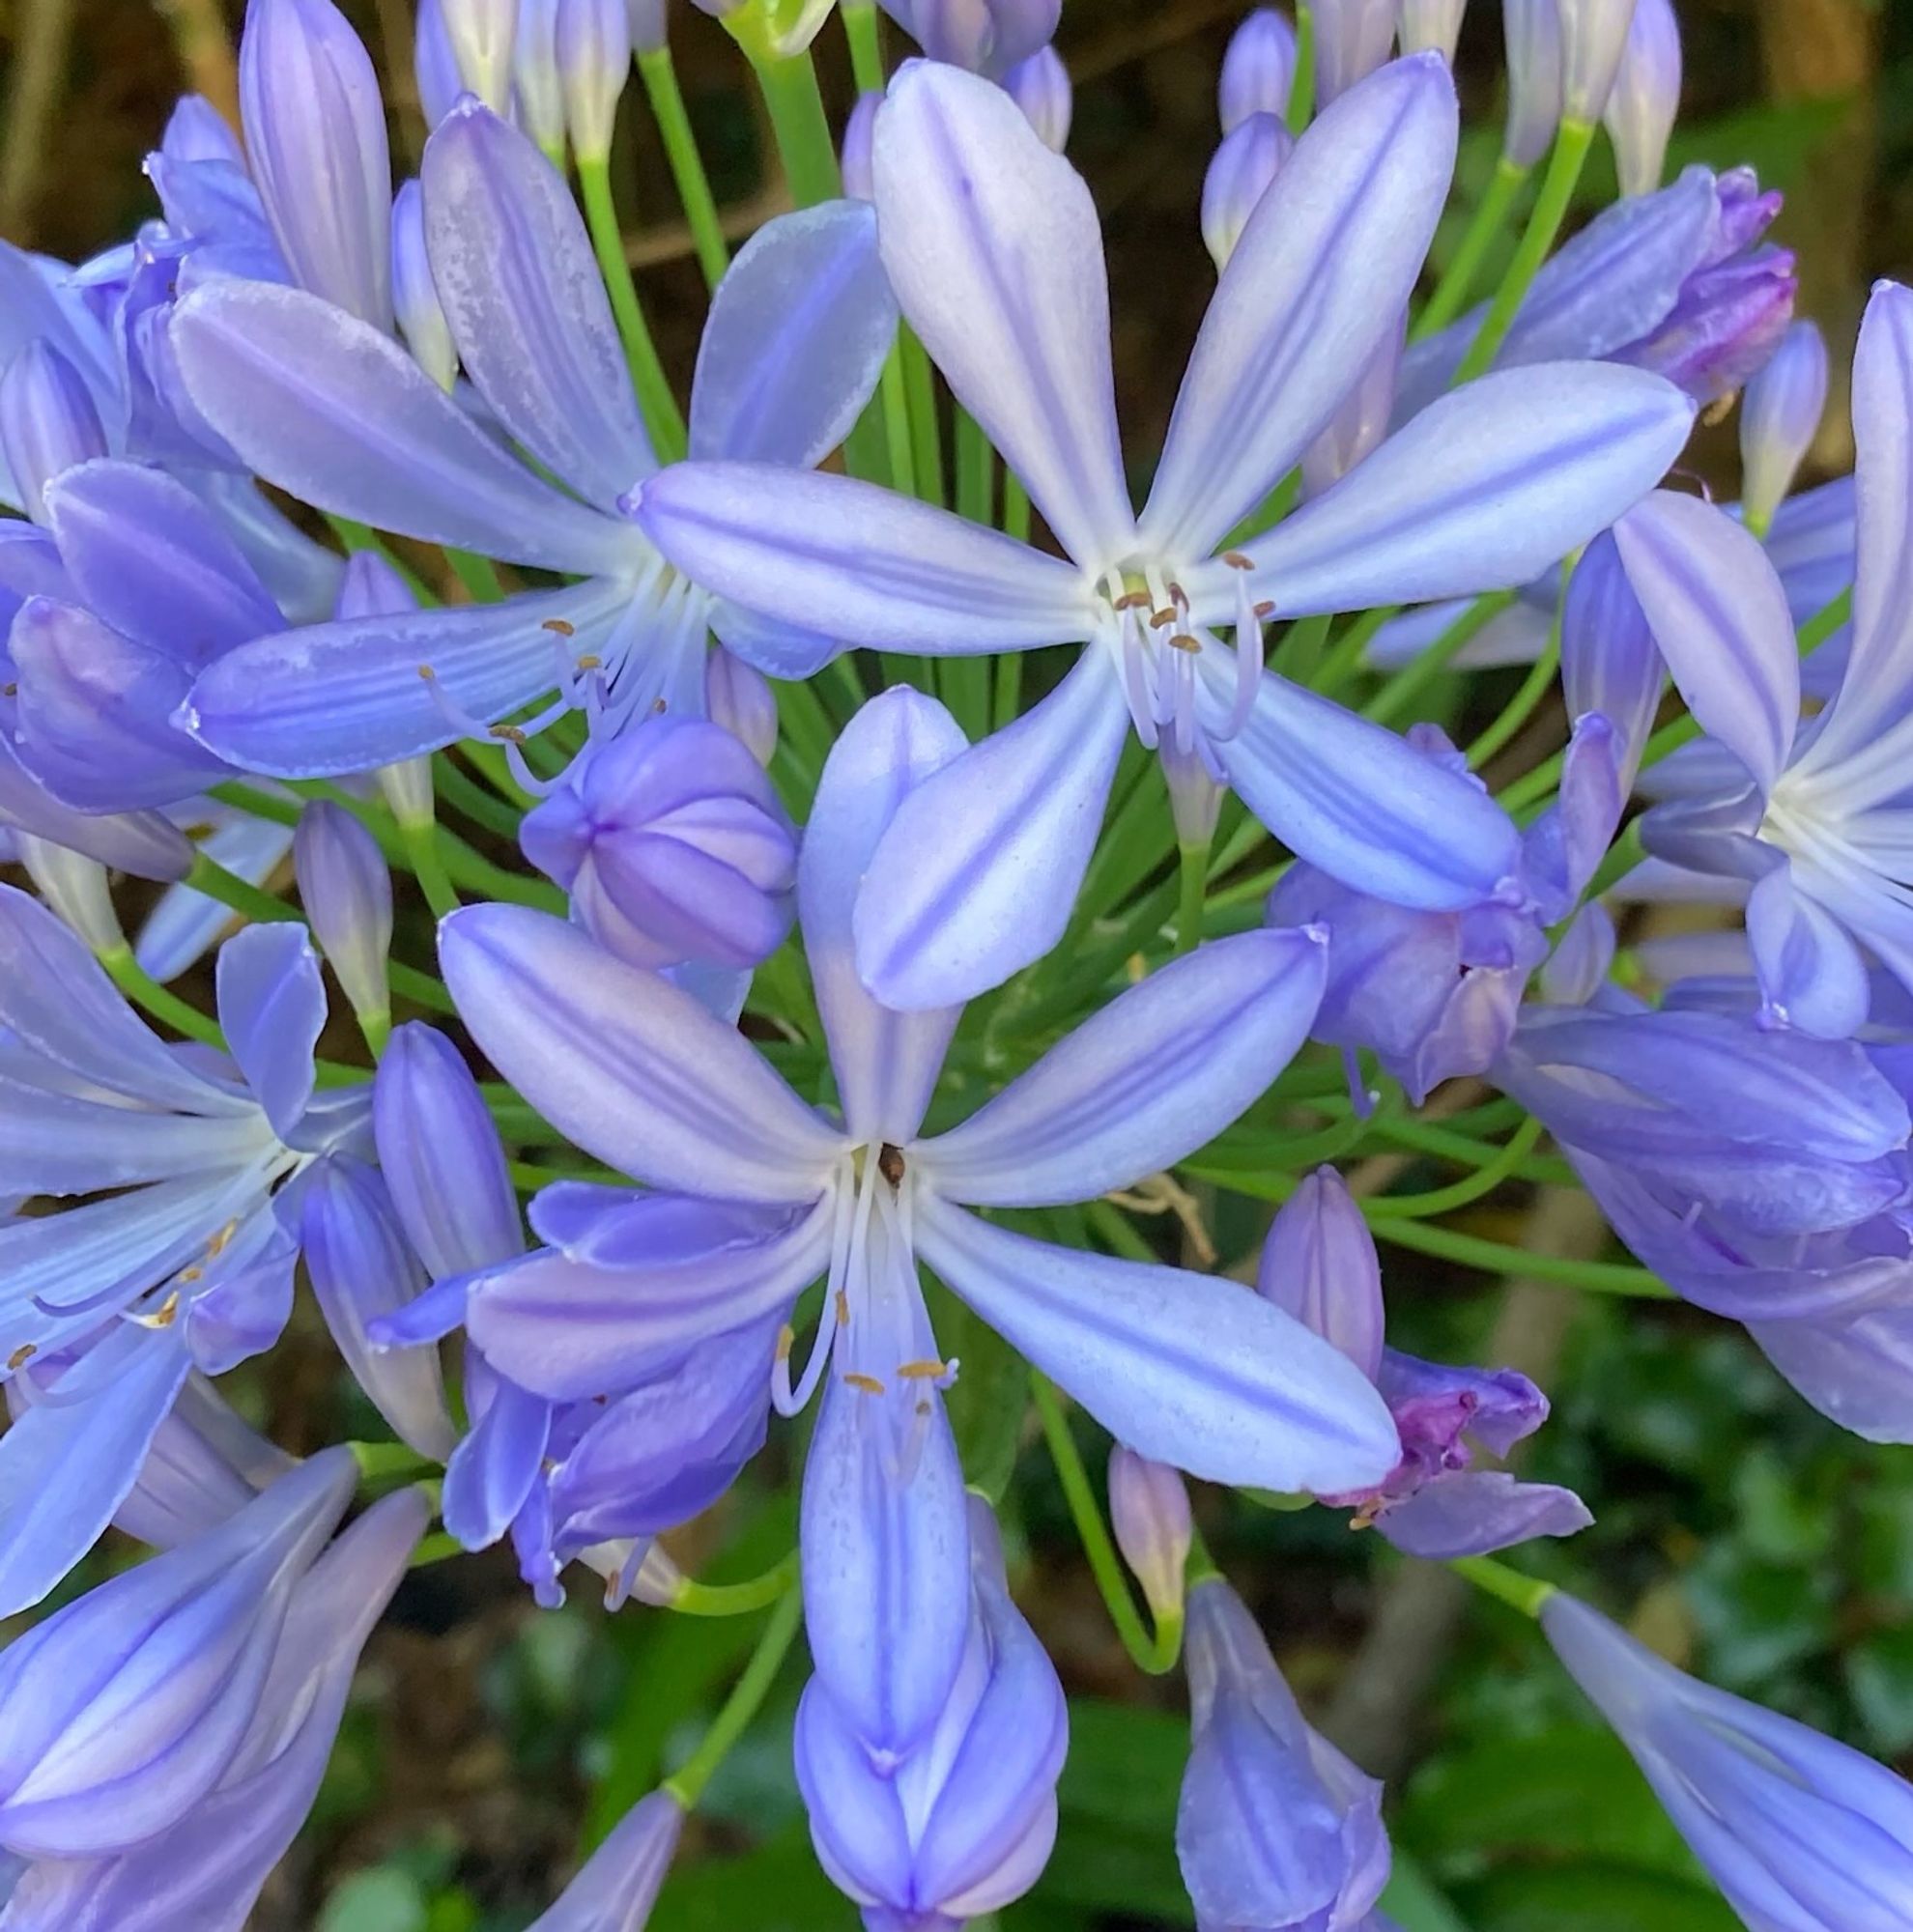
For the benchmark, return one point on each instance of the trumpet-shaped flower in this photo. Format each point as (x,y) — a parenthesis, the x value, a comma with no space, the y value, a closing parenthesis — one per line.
(333,411)
(991,246)
(760,1194)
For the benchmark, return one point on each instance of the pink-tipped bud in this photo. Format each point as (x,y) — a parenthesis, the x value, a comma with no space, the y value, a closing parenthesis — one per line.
(1249,158)
(1040,87)
(1780,417)
(1640,109)
(1149,1509)
(1258,69)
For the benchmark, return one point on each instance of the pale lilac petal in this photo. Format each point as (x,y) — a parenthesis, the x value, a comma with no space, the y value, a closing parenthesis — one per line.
(795,340)
(63,1145)
(1144,1081)
(492,1470)
(144,844)
(1811,971)
(992,246)
(1471,1512)
(1858,1372)
(886,1061)
(349,695)
(1484,489)
(1362,804)
(634,1070)
(1310,295)
(339,415)
(520,287)
(977,873)
(1720,616)
(619,1883)
(1184,1368)
(858,563)
(273,1007)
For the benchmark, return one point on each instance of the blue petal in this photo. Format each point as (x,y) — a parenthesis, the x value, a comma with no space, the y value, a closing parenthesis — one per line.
(59,1143)
(1471,1512)
(492,1471)
(977,873)
(514,272)
(1609,660)
(1811,971)
(144,844)
(273,1007)
(183,926)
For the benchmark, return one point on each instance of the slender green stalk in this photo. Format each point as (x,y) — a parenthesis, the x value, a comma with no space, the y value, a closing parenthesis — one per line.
(1544,225)
(1344,660)
(1414,677)
(1458,278)
(894,399)
(1300,653)
(687,1785)
(1016,508)
(800,127)
(1521,706)
(662,415)
(1152,1653)
(926,436)
(212,878)
(736,1600)
(966,680)
(478,574)
(686,165)
(475,802)
(381,1462)
(144,990)
(1301,89)
(859,29)
(1482,1182)
(1525,1594)
(428,863)
(1192,880)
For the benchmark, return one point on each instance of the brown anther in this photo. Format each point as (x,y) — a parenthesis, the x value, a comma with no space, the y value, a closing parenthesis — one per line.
(509,733)
(190,1276)
(924,1372)
(562,626)
(590,661)
(222,1240)
(1133,600)
(1265,609)
(867,1383)
(22,1355)
(890,1164)
(1179,597)
(1717,411)
(427,673)
(786,1339)
(1183,641)
(164,1316)
(10,691)
(658,709)
(842,1309)
(1236,560)
(923,1409)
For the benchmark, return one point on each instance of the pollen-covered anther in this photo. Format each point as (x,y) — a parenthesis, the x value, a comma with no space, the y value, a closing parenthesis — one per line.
(590,661)
(1160,620)
(1236,560)
(786,1339)
(890,1164)
(163,1316)
(842,1309)
(1183,641)
(868,1385)
(22,1355)
(188,1275)
(427,673)
(562,625)
(222,1240)
(509,734)
(924,1372)
(1265,609)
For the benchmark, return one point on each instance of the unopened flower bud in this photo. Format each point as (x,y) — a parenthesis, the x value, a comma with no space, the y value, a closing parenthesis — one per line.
(1594,38)
(48,423)
(77,887)
(1533,32)
(859,137)
(988,36)
(594,61)
(421,317)
(646,20)
(482,34)
(1360,421)
(1353,38)
(738,697)
(1320,1265)
(536,84)
(315,136)
(1040,87)
(1148,1510)
(434,63)
(1258,69)
(1432,24)
(673,846)
(347,894)
(1641,110)
(1251,156)
(1780,417)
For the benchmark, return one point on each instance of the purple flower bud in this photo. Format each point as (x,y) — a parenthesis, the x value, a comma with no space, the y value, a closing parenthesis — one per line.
(124,1710)
(594,61)
(481,34)
(77,887)
(1360,421)
(537,86)
(1646,96)
(1432,25)
(442,1156)
(988,36)
(1249,158)
(315,129)
(434,63)
(347,894)
(1353,38)
(363,1268)
(859,135)
(646,21)
(1319,1264)
(738,697)
(1780,417)
(204,1465)
(1594,38)
(1725,327)
(1797,1831)
(48,423)
(673,846)
(1149,1509)
(1610,661)
(1040,87)
(1533,32)
(620,1882)
(964,1823)
(422,317)
(1277,1828)
(1258,69)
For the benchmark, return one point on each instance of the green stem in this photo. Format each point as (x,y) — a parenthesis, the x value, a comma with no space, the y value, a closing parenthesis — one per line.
(475,802)
(1534,687)
(212,878)
(421,844)
(859,29)
(894,398)
(1345,658)
(1458,278)
(1301,89)
(800,126)
(1154,1654)
(1192,880)
(926,437)
(687,1785)
(1483,1181)
(1414,677)
(686,165)
(381,1462)
(1544,225)
(1525,1594)
(662,415)
(1300,653)
(736,1600)
(144,990)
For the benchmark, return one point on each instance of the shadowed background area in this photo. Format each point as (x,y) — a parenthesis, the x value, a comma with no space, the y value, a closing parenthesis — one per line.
(489,1742)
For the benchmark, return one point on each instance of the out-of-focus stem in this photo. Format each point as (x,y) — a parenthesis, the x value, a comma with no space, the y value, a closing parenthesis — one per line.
(662,415)
(687,164)
(1457,279)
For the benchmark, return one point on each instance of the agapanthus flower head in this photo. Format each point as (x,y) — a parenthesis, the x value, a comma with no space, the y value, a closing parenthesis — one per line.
(1258,70)
(1802,1833)
(1149,1512)
(347,892)
(1641,110)
(673,846)
(1277,1830)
